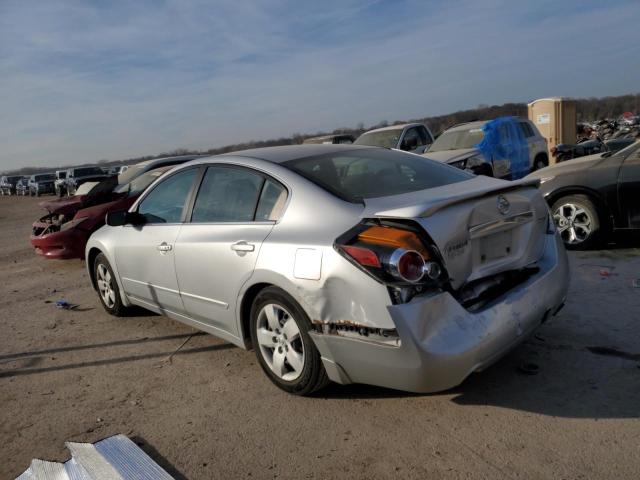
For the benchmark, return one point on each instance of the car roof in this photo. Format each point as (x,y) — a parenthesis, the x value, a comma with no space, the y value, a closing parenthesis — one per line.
(293,152)
(395,127)
(467,126)
(328,137)
(164,160)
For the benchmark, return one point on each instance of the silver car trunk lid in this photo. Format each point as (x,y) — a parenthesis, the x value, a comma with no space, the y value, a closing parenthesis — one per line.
(482,226)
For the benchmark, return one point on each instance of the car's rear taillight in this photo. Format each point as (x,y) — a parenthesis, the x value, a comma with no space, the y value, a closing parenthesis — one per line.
(394,255)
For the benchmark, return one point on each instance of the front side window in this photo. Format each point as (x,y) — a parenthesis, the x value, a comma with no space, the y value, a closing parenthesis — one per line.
(425,137)
(410,140)
(227,195)
(165,203)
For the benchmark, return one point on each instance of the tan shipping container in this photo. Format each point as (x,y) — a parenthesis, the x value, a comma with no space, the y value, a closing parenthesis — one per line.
(555,118)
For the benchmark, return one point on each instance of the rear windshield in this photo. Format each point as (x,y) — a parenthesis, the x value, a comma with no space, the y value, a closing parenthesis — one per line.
(45,176)
(383,138)
(457,140)
(141,182)
(85,172)
(371,173)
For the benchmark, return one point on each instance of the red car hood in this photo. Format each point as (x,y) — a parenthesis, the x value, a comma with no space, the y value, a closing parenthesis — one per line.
(99,194)
(96,213)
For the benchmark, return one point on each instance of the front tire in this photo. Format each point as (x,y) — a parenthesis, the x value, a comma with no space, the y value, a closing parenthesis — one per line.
(577,221)
(285,351)
(108,290)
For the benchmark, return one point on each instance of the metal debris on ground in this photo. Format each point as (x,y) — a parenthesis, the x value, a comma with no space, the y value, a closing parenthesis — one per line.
(114,458)
(64,305)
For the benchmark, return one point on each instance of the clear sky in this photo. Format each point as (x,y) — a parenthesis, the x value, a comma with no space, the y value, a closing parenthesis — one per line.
(87,80)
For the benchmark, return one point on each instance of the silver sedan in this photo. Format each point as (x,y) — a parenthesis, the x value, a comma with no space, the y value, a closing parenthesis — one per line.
(343,263)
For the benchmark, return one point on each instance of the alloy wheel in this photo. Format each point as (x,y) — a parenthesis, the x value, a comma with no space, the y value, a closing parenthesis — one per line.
(280,342)
(105,286)
(573,222)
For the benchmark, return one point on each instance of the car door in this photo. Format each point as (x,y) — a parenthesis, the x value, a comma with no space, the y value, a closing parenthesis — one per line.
(629,187)
(144,254)
(216,251)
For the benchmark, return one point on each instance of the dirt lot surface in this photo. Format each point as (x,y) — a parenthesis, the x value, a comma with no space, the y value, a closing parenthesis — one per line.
(209,411)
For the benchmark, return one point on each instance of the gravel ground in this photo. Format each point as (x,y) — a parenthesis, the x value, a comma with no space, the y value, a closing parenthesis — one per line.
(208,411)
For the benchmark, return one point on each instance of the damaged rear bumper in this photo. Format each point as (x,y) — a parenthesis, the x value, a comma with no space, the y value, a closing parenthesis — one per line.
(441,343)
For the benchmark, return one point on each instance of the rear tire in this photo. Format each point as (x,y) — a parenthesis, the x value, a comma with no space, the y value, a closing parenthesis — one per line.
(107,287)
(285,350)
(578,222)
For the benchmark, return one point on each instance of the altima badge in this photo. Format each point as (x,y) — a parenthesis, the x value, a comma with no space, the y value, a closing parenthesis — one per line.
(503,205)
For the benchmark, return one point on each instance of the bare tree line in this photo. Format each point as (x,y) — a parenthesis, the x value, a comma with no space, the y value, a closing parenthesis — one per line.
(588,109)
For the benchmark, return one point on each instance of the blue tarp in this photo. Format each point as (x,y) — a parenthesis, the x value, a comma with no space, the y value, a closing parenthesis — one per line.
(504,140)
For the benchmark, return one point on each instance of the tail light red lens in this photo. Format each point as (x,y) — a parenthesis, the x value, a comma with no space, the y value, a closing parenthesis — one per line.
(363,256)
(394,255)
(407,265)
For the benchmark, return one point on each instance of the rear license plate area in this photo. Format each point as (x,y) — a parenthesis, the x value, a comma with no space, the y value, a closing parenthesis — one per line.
(495,247)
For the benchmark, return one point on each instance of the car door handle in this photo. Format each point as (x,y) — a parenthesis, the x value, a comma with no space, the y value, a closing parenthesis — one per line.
(243,247)
(164,247)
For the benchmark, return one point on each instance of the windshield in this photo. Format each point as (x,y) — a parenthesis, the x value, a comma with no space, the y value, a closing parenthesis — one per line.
(457,140)
(44,177)
(370,173)
(62,175)
(382,138)
(13,179)
(140,183)
(85,172)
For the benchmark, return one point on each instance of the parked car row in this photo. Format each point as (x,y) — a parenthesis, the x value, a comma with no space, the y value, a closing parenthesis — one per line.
(63,232)
(35,185)
(593,196)
(506,147)
(60,182)
(351,263)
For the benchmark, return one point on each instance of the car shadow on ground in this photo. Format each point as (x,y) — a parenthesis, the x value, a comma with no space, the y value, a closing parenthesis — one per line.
(35,362)
(572,387)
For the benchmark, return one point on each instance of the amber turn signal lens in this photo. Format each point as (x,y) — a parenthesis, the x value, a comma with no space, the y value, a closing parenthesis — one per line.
(394,237)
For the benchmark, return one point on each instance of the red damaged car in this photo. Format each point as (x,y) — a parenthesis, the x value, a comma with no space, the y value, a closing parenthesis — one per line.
(64,231)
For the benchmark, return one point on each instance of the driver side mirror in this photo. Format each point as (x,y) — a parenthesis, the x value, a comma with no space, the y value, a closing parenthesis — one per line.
(122,217)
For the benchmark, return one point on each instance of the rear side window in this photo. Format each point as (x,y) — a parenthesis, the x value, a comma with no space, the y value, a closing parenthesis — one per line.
(164,204)
(227,195)
(370,173)
(271,202)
